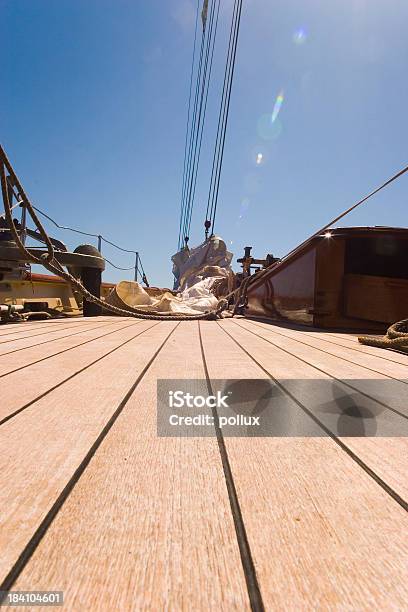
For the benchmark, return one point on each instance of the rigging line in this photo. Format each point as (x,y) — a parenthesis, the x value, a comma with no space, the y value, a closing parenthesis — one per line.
(217,151)
(202,111)
(193,121)
(220,115)
(201,78)
(191,135)
(205,108)
(200,120)
(71,229)
(346,212)
(188,113)
(117,247)
(87,234)
(227,113)
(117,267)
(201,85)
(141,265)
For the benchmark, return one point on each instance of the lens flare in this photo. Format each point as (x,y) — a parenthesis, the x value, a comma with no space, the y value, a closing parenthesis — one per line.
(299,36)
(268,129)
(277,106)
(243,209)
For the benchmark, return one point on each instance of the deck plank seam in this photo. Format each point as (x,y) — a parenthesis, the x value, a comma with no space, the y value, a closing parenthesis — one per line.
(339,380)
(273,331)
(370,472)
(71,376)
(41,530)
(21,326)
(54,331)
(358,350)
(25,348)
(254,592)
(379,355)
(370,350)
(66,350)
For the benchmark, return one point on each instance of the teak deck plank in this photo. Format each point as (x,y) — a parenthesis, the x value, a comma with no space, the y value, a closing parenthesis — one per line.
(50,342)
(22,388)
(148,525)
(7,329)
(42,447)
(352,374)
(290,371)
(36,332)
(386,362)
(348,340)
(95,504)
(353,344)
(323,533)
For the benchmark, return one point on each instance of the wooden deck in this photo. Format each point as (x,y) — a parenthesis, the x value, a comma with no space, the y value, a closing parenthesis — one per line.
(94,503)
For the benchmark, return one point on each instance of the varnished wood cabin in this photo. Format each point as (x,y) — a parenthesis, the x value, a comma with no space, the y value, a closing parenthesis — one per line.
(354,277)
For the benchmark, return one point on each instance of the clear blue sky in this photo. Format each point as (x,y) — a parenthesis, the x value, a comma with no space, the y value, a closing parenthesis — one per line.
(93,107)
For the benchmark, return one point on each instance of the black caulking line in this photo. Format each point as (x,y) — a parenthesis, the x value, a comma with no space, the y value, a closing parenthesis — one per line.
(325,339)
(80,331)
(339,380)
(254,592)
(22,327)
(62,350)
(53,331)
(337,440)
(40,532)
(39,397)
(316,348)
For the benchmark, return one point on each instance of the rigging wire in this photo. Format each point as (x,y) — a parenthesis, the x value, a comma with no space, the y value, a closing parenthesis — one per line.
(196,121)
(198,117)
(202,112)
(99,236)
(223,116)
(191,139)
(205,108)
(188,118)
(117,267)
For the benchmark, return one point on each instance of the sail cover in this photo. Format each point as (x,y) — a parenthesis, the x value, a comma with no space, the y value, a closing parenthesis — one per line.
(203,275)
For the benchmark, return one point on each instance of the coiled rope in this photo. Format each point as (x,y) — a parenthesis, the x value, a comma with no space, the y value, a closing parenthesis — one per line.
(52,265)
(395,338)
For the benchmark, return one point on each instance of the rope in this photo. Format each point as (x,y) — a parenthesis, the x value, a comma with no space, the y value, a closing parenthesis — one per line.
(52,265)
(202,126)
(188,123)
(191,140)
(71,229)
(223,115)
(201,119)
(65,227)
(197,126)
(395,338)
(241,293)
(119,268)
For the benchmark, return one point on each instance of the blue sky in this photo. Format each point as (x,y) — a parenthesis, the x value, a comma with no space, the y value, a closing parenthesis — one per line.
(93,107)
